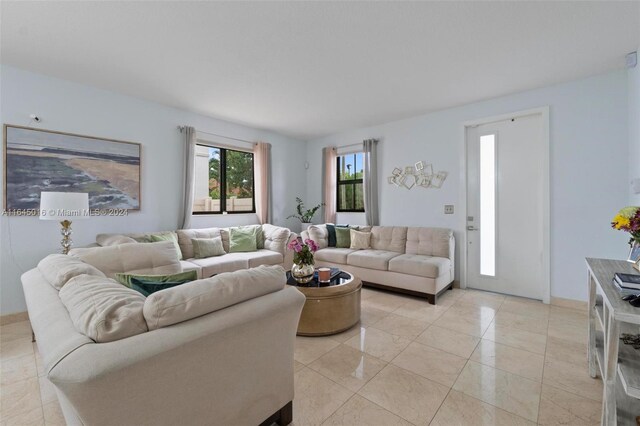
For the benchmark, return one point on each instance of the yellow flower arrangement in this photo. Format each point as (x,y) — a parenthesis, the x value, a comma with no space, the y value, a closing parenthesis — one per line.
(620,222)
(628,220)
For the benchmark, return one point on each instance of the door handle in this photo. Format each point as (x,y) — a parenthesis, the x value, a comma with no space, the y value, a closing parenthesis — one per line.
(471,228)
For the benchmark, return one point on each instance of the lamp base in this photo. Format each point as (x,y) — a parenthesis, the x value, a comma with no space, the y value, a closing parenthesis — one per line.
(66,236)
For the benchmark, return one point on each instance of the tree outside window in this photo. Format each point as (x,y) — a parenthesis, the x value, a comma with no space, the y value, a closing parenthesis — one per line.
(350,172)
(223,174)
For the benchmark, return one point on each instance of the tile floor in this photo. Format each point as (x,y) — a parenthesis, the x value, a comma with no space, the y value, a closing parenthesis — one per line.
(475,359)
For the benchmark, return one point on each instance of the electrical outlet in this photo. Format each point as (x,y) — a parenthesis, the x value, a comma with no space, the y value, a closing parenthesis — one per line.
(448,209)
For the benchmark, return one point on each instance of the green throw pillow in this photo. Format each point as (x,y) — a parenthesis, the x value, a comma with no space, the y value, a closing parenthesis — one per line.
(343,237)
(172,236)
(207,247)
(259,236)
(243,239)
(125,279)
(150,286)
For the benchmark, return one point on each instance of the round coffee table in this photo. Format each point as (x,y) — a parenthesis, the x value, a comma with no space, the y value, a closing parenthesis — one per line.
(331,307)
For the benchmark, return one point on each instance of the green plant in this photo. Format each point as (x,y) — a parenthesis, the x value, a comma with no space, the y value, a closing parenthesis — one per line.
(304,216)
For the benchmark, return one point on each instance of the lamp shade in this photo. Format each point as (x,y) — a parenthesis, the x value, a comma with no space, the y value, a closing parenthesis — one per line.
(64,205)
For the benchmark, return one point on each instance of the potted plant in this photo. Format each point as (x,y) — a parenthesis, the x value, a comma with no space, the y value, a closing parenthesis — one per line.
(302,269)
(304,216)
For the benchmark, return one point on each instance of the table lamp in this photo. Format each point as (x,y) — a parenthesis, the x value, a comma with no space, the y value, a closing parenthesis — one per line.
(64,206)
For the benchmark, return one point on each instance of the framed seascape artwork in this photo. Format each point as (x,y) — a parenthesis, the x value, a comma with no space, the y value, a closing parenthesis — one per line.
(37,160)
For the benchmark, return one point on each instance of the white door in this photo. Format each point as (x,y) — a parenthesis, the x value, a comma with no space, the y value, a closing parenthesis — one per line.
(505,206)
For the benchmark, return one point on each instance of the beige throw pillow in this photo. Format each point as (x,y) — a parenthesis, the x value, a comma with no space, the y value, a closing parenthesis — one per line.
(360,240)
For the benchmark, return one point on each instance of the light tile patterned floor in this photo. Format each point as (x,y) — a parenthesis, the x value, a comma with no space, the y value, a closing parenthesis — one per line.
(475,359)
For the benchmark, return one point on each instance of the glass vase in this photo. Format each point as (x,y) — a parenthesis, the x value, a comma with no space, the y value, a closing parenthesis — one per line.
(302,273)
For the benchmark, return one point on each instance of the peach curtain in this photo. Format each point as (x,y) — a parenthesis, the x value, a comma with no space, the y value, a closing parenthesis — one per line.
(262,173)
(188,178)
(330,183)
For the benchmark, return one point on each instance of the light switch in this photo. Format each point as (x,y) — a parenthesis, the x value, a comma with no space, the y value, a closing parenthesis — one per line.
(448,209)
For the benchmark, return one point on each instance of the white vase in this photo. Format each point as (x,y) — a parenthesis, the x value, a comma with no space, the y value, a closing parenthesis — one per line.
(305,226)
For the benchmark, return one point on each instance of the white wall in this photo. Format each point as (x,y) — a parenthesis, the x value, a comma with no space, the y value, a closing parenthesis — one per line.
(76,108)
(634,129)
(588,126)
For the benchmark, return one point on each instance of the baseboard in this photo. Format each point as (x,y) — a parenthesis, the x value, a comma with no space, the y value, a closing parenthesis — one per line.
(569,303)
(11,318)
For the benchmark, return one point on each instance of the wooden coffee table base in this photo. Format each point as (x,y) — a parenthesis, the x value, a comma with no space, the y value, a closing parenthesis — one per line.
(330,310)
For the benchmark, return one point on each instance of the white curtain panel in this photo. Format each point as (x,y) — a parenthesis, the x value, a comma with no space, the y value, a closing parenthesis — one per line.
(262,164)
(188,184)
(330,181)
(369,147)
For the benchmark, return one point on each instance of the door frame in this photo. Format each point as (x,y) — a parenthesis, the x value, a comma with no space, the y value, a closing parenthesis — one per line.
(546,200)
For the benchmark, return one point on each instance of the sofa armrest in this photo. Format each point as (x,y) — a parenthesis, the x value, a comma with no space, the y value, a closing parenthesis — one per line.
(246,349)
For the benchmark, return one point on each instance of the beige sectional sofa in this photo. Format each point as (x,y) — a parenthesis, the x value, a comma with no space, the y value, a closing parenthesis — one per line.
(272,249)
(414,260)
(215,351)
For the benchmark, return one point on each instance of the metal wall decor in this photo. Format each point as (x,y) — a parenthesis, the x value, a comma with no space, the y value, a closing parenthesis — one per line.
(421,174)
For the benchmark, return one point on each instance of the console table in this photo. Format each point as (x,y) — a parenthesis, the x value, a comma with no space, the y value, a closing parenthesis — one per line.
(618,364)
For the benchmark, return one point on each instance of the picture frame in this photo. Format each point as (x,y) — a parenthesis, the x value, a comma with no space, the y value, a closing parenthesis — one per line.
(634,253)
(397,171)
(38,160)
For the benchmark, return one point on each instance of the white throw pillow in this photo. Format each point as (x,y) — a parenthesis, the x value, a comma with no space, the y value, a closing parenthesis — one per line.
(360,240)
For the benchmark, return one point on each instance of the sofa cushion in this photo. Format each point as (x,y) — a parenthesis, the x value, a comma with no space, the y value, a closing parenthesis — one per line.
(419,265)
(139,237)
(429,241)
(390,238)
(320,235)
(333,255)
(150,258)
(169,236)
(371,259)
(275,238)
(189,266)
(231,262)
(104,240)
(186,235)
(102,309)
(60,268)
(201,297)
(207,247)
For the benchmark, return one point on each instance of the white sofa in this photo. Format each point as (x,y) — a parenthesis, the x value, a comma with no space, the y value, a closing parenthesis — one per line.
(413,260)
(215,351)
(272,249)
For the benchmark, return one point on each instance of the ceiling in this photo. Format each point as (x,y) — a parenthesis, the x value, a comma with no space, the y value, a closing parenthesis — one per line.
(308,69)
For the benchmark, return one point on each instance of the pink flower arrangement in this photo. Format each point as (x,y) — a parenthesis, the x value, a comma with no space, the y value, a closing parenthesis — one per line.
(303,251)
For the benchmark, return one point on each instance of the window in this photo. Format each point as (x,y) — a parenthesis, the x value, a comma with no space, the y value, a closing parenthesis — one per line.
(350,191)
(488,205)
(223,174)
